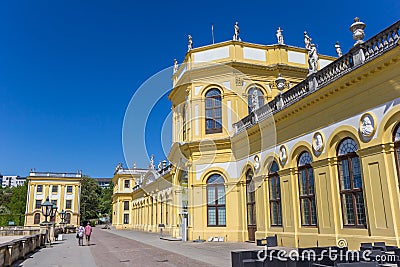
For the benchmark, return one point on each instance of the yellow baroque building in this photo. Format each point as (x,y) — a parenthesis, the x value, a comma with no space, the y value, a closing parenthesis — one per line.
(267,142)
(62,189)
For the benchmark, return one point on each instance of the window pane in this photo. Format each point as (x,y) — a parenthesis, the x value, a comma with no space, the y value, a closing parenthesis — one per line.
(209,103)
(361,218)
(314,212)
(311,181)
(221,216)
(209,124)
(347,146)
(211,195)
(221,195)
(348,209)
(306,211)
(212,220)
(217,102)
(355,163)
(303,182)
(344,175)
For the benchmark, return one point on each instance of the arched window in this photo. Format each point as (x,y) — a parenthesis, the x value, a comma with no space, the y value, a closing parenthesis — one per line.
(255,99)
(184,129)
(351,184)
(68,218)
(275,195)
(213,112)
(36,218)
(306,190)
(251,205)
(396,140)
(216,211)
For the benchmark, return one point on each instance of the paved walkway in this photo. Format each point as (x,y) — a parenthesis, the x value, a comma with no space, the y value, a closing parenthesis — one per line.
(112,248)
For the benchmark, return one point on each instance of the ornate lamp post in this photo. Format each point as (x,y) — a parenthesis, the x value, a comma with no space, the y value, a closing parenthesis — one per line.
(46,209)
(53,211)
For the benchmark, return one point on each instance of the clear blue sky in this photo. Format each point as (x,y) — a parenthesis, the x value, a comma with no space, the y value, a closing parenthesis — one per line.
(68,69)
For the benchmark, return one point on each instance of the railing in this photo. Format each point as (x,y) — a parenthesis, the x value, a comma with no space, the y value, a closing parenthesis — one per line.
(56,174)
(358,55)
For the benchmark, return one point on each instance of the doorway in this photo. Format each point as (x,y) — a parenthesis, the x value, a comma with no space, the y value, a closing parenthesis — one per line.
(251,206)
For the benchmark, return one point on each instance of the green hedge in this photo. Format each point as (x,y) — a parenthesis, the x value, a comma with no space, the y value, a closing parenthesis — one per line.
(18,219)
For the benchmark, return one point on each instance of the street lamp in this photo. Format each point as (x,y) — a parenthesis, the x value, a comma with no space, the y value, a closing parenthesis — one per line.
(46,206)
(53,210)
(62,215)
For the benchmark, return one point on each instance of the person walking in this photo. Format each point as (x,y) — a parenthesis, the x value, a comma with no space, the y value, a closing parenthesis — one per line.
(79,234)
(88,232)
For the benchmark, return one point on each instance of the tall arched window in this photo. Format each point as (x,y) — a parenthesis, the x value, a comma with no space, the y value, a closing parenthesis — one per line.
(255,98)
(68,218)
(306,190)
(351,184)
(275,195)
(184,130)
(396,140)
(36,218)
(216,210)
(213,112)
(251,205)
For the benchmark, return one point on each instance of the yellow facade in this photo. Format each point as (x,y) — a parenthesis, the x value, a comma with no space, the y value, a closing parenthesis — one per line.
(315,164)
(62,189)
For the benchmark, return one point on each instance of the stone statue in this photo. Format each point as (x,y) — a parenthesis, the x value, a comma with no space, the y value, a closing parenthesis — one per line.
(175,65)
(254,101)
(152,162)
(237,31)
(279,36)
(367,128)
(338,49)
(118,167)
(307,40)
(312,59)
(190,43)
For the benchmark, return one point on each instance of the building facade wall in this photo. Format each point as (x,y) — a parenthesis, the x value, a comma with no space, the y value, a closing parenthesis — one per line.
(68,190)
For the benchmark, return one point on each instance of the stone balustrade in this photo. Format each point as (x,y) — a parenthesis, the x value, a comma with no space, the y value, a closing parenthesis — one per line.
(357,56)
(18,249)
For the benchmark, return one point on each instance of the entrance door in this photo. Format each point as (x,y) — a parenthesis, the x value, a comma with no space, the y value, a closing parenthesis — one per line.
(251,206)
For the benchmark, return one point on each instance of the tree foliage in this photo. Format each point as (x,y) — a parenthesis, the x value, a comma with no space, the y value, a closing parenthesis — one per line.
(90,199)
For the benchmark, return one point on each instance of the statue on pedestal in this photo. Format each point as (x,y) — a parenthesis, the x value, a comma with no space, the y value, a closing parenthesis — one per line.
(338,49)
(237,31)
(190,43)
(279,35)
(312,59)
(307,40)
(175,65)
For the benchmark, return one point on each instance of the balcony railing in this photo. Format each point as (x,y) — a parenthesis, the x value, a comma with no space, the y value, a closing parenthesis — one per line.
(357,56)
(56,174)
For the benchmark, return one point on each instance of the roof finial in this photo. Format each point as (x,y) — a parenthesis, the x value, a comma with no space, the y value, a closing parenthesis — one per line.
(279,35)
(358,30)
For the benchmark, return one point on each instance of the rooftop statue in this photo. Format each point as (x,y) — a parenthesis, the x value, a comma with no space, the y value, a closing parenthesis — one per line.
(338,49)
(307,40)
(312,59)
(237,31)
(279,35)
(190,43)
(175,65)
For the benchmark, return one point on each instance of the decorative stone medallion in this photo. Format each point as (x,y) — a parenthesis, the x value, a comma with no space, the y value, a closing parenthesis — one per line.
(318,142)
(256,162)
(367,125)
(283,154)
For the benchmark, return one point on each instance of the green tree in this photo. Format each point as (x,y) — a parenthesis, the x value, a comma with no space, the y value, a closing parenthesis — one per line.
(105,204)
(17,204)
(90,192)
